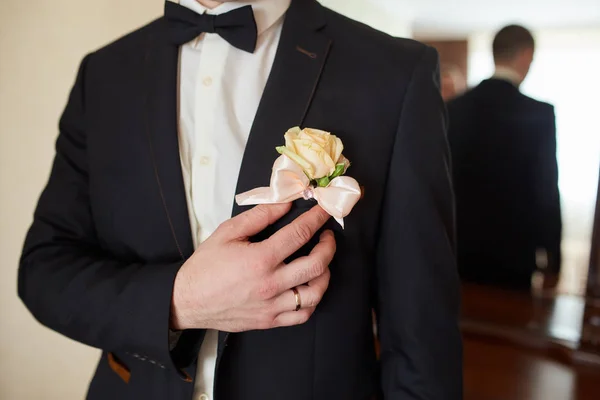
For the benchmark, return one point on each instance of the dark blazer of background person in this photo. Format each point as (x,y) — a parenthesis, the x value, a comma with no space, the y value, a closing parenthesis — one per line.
(503,146)
(100,259)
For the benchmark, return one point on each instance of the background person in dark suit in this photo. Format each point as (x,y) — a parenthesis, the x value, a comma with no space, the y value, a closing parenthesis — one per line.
(133,249)
(503,146)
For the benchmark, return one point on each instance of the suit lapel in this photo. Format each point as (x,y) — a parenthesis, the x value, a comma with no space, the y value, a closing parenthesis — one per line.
(161,106)
(161,103)
(288,94)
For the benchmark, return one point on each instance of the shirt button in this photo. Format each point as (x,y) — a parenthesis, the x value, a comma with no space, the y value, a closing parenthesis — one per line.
(203,397)
(207,81)
(204,160)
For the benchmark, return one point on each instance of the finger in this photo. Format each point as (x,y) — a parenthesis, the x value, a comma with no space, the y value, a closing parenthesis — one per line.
(293,236)
(310,295)
(291,318)
(253,221)
(305,269)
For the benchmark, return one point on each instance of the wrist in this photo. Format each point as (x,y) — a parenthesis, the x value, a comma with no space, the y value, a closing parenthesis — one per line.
(181,303)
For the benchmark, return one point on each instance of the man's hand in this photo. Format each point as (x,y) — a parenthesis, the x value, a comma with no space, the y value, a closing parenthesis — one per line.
(233,285)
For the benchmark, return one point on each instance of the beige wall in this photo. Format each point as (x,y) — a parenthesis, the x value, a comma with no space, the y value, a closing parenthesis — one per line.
(41,44)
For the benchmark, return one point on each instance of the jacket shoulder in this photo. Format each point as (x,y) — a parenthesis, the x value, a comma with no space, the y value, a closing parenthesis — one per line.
(364,40)
(462,101)
(537,105)
(131,42)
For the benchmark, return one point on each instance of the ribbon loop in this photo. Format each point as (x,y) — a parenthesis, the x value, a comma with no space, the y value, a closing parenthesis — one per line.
(289,183)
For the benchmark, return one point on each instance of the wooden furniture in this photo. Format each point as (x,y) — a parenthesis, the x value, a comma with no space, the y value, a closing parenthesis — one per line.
(593,287)
(452,52)
(497,371)
(545,325)
(523,347)
(590,340)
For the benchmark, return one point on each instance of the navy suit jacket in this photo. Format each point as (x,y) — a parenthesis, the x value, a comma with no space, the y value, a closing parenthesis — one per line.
(111,229)
(503,146)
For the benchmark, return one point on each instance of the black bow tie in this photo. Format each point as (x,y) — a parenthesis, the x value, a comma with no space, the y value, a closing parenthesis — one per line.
(238,26)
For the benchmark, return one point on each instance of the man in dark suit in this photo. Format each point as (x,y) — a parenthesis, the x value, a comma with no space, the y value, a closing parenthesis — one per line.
(132,250)
(503,146)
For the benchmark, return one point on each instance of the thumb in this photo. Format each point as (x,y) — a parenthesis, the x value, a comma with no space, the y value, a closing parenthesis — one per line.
(254,221)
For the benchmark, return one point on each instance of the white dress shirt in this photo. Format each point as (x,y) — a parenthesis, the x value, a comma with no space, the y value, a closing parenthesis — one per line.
(220,88)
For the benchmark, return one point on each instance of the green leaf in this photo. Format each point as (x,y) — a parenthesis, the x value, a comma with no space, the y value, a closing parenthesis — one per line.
(323,182)
(297,159)
(281,149)
(339,170)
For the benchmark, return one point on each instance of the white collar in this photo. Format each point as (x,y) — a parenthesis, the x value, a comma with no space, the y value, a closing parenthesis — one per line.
(266,12)
(507,74)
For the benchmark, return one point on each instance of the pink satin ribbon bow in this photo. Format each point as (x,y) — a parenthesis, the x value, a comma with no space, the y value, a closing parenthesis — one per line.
(289,183)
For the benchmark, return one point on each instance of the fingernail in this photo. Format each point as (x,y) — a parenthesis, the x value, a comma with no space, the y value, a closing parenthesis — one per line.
(326,233)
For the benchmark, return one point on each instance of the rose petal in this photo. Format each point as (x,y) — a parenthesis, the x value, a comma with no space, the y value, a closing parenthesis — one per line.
(290,136)
(345,161)
(294,131)
(315,135)
(314,154)
(336,149)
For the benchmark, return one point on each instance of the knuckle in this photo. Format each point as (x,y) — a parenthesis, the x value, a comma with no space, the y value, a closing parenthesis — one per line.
(256,269)
(318,267)
(260,265)
(302,275)
(262,212)
(322,216)
(302,233)
(246,219)
(269,259)
(267,289)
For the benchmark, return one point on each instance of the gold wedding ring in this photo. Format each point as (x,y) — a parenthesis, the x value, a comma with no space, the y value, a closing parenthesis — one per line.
(298,299)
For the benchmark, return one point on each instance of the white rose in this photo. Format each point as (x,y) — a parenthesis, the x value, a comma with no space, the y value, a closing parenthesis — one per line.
(317,152)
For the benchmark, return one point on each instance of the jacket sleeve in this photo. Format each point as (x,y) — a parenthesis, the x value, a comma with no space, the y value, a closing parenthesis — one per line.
(418,285)
(547,199)
(69,282)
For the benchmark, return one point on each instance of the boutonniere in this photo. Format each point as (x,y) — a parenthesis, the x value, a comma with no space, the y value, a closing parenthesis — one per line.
(311,166)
